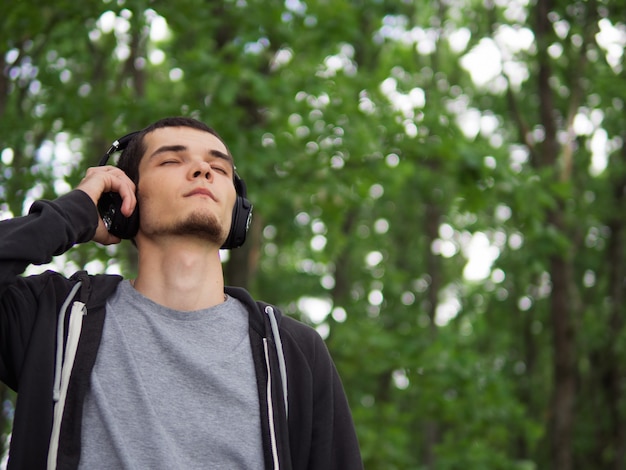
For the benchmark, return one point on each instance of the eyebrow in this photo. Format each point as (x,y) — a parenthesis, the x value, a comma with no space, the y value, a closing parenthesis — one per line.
(183,148)
(222,155)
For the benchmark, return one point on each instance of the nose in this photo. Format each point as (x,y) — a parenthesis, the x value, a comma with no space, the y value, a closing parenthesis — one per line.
(201,169)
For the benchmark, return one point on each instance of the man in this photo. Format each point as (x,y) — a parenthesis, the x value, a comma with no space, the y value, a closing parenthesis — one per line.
(171,369)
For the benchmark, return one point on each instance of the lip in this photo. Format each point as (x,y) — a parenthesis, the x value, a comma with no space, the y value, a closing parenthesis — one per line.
(204,192)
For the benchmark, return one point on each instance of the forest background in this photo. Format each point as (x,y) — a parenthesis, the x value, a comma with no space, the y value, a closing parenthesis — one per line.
(438,190)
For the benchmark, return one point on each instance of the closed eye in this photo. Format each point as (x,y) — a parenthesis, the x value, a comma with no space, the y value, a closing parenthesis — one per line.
(219,169)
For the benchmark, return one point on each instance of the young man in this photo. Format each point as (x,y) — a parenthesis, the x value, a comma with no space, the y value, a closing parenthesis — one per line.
(171,369)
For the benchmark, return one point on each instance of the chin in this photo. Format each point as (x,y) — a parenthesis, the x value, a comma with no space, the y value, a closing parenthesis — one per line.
(205,226)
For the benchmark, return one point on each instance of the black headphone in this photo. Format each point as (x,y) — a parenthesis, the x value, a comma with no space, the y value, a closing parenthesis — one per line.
(110,204)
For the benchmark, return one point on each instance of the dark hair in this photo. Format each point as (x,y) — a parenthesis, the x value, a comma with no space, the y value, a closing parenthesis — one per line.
(131,156)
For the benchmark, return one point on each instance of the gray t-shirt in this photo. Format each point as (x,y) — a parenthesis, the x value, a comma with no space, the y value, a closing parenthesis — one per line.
(172,389)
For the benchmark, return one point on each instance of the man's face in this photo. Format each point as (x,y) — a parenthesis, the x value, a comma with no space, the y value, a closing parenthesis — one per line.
(185,185)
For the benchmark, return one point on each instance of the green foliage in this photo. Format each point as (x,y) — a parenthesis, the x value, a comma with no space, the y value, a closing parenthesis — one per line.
(374,158)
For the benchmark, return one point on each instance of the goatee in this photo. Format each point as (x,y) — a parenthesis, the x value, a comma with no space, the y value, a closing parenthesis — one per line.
(205,226)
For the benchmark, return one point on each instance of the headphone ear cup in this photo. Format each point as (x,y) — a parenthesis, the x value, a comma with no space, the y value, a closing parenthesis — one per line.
(110,204)
(110,209)
(242,216)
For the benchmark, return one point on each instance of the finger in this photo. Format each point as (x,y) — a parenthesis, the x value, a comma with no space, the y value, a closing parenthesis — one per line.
(103,179)
(129,199)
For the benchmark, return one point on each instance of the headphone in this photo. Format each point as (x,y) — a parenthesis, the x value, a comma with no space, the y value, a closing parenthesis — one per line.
(110,205)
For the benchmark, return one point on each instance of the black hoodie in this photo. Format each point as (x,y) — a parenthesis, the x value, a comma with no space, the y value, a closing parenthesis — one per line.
(289,357)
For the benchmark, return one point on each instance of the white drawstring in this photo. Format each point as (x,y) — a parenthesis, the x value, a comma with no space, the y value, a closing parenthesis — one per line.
(63,368)
(60,337)
(283,379)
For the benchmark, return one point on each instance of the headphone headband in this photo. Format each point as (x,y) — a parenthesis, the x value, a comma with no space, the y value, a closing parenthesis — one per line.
(117,146)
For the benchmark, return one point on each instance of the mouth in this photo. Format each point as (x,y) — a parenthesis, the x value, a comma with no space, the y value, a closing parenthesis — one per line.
(201,192)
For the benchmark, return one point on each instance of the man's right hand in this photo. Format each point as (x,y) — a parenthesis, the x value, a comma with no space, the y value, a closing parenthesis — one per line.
(103,179)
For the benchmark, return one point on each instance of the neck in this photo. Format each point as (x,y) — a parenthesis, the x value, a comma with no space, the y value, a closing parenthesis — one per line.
(180,273)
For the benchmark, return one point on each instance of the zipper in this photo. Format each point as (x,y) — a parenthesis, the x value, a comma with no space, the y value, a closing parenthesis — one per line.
(270,406)
(282,368)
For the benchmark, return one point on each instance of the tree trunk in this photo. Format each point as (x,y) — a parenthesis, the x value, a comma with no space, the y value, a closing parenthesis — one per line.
(564,391)
(614,371)
(561,315)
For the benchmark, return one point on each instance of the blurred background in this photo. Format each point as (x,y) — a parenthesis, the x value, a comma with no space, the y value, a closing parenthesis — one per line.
(438,190)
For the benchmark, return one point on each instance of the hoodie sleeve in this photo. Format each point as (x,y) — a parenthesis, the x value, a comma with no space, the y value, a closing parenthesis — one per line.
(50,228)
